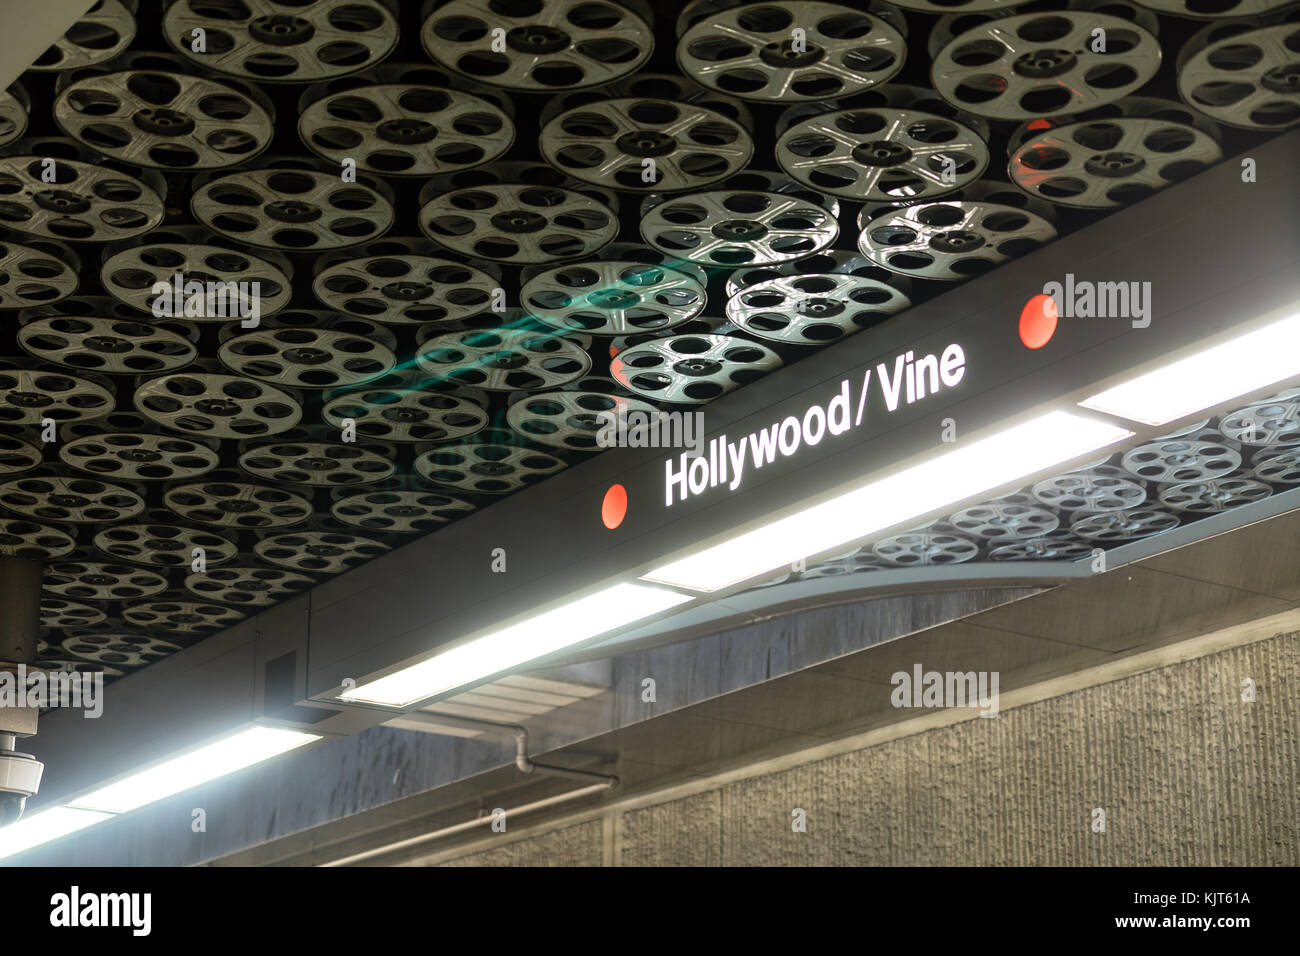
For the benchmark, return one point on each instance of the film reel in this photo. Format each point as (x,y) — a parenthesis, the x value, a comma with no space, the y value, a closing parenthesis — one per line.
(138,456)
(752,52)
(247,586)
(538,46)
(813,309)
(401,407)
(405,73)
(503,360)
(1057,546)
(486,467)
(21,538)
(984,190)
(18,455)
(1283,469)
(924,548)
(109,345)
(306,357)
(261,40)
(952,240)
(1274,422)
(1180,460)
(164,120)
(617,297)
(405,289)
(217,406)
(1204,497)
(1015,517)
(160,542)
(15,106)
(399,510)
(116,647)
(643,145)
(518,224)
(223,499)
(657,86)
(1102,488)
(854,562)
(1110,162)
(98,581)
(406,130)
(302,457)
(691,369)
(882,155)
(1124,525)
(765,181)
(1126,107)
(832,261)
(1044,64)
(574,419)
(30,277)
(294,209)
(1214,9)
(318,552)
(951,25)
(515,174)
(100,33)
(190,618)
(57,612)
(734,228)
(32,391)
(47,496)
(85,202)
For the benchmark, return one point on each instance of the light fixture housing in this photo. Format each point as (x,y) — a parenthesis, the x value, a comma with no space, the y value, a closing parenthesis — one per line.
(44,826)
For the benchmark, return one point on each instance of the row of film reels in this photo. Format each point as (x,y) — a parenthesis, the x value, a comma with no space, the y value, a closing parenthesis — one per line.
(585,416)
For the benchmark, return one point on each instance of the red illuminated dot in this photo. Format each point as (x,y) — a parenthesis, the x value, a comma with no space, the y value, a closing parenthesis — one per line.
(614,508)
(1038,321)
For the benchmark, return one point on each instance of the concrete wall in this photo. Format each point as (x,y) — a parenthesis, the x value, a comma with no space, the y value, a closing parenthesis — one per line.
(1186,772)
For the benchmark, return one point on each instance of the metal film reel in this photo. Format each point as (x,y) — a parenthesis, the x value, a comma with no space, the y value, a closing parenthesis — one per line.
(290,42)
(85,202)
(30,277)
(751,51)
(217,406)
(518,224)
(637,252)
(138,456)
(573,419)
(616,297)
(407,73)
(1126,107)
(131,273)
(405,289)
(486,467)
(1057,546)
(924,548)
(1110,162)
(765,181)
(1214,9)
(21,538)
(181,616)
(247,586)
(99,34)
(115,647)
(406,130)
(619,142)
(399,510)
(292,209)
(31,391)
(503,360)
(1124,525)
(161,542)
(223,499)
(538,46)
(515,173)
(1099,489)
(1272,422)
(831,261)
(855,562)
(167,121)
(882,154)
(48,496)
(1015,517)
(15,106)
(1044,64)
(317,319)
(1283,469)
(735,228)
(984,190)
(18,455)
(1181,460)
(691,369)
(813,309)
(657,86)
(57,612)
(306,357)
(299,457)
(402,407)
(318,552)
(112,346)
(98,581)
(1209,496)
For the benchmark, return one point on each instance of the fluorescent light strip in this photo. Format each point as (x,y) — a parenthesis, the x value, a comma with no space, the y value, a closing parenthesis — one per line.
(945,479)
(45,826)
(518,643)
(1217,374)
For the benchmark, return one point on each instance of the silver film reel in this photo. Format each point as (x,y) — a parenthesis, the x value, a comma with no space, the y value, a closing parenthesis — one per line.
(247,586)
(217,406)
(691,369)
(1044,64)
(574,419)
(110,345)
(518,224)
(754,52)
(318,552)
(738,228)
(952,240)
(1248,79)
(222,499)
(138,456)
(15,106)
(32,277)
(100,581)
(883,155)
(99,34)
(282,42)
(17,454)
(164,120)
(1221,494)
(306,356)
(21,538)
(1124,525)
(617,297)
(45,495)
(831,261)
(302,457)
(1057,546)
(516,173)
(538,46)
(404,407)
(57,612)
(399,129)
(924,548)
(1017,517)
(85,202)
(1181,460)
(405,289)
(1274,422)
(1278,469)
(1099,489)
(182,617)
(161,542)
(503,359)
(399,510)
(117,646)
(486,467)
(297,209)
(659,86)
(31,391)
(813,309)
(645,145)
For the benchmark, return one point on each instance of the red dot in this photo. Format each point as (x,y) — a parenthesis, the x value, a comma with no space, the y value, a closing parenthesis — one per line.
(1038,321)
(614,508)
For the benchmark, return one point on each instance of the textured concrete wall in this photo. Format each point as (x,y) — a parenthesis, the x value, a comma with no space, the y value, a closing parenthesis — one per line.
(1186,772)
